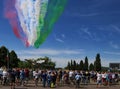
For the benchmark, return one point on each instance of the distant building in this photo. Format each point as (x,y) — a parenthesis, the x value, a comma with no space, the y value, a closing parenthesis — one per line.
(115,66)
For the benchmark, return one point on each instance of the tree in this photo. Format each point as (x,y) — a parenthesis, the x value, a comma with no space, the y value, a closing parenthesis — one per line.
(3,56)
(91,67)
(81,65)
(86,64)
(29,63)
(21,64)
(74,65)
(68,66)
(97,63)
(41,63)
(47,64)
(13,59)
(71,65)
(77,66)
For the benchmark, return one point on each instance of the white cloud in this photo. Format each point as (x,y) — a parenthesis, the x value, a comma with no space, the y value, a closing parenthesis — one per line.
(116,28)
(86,31)
(89,14)
(63,36)
(59,40)
(55,55)
(61,61)
(51,52)
(105,61)
(114,45)
(81,14)
(25,56)
(112,53)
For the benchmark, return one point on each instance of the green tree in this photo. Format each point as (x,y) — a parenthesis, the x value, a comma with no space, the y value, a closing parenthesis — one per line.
(86,64)
(91,67)
(81,65)
(3,56)
(68,66)
(47,64)
(29,63)
(71,65)
(22,64)
(13,59)
(77,66)
(97,63)
(74,65)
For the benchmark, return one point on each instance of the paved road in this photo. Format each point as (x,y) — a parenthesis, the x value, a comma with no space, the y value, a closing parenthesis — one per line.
(92,85)
(63,87)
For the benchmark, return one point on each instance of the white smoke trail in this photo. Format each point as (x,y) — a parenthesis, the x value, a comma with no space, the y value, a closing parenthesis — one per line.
(28,13)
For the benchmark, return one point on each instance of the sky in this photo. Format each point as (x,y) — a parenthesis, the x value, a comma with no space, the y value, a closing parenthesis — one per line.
(85,28)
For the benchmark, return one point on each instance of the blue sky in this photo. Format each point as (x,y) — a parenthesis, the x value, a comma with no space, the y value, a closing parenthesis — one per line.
(86,27)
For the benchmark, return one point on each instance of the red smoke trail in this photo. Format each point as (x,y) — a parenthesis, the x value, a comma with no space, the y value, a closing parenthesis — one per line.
(11,14)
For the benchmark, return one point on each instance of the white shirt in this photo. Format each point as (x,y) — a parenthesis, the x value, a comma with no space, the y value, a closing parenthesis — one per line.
(5,73)
(99,76)
(113,76)
(70,73)
(34,73)
(104,75)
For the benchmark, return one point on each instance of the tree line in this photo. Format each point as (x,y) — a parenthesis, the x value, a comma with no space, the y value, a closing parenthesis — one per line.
(84,64)
(9,59)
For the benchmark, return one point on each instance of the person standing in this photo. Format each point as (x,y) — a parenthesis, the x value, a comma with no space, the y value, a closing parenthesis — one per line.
(36,77)
(48,79)
(99,79)
(78,79)
(17,75)
(44,78)
(5,74)
(12,79)
(26,76)
(22,77)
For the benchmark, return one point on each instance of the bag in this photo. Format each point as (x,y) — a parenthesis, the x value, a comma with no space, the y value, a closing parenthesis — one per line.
(77,77)
(52,85)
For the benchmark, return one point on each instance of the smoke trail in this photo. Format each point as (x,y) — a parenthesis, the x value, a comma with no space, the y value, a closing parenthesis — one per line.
(28,13)
(32,20)
(11,14)
(54,10)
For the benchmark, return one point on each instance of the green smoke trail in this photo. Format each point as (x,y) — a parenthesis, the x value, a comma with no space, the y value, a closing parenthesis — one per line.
(41,19)
(54,10)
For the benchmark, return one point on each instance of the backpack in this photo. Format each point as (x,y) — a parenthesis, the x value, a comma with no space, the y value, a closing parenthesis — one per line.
(77,77)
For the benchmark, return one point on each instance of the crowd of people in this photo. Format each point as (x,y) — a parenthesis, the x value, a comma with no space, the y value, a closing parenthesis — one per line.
(53,78)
